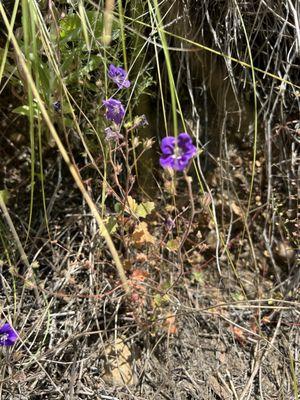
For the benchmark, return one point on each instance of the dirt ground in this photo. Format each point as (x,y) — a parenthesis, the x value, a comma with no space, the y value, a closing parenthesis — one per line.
(232,334)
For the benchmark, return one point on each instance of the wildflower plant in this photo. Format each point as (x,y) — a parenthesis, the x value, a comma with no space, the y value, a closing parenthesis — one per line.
(8,335)
(177,153)
(80,86)
(122,140)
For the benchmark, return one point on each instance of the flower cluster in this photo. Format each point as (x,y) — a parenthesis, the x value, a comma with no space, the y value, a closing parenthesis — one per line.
(177,152)
(115,110)
(8,335)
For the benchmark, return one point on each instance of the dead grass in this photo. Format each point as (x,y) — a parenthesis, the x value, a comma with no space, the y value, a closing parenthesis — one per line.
(222,320)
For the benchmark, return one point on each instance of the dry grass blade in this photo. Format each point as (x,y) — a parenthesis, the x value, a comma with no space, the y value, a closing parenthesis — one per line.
(108,20)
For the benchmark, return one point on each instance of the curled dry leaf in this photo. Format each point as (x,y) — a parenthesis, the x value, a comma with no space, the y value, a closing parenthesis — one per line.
(236,209)
(239,334)
(141,257)
(285,250)
(206,200)
(139,275)
(211,239)
(118,369)
(169,324)
(138,290)
(141,235)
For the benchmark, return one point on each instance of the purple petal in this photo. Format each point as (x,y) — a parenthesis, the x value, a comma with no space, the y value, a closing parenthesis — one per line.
(186,144)
(185,141)
(114,110)
(12,338)
(6,328)
(167,161)
(167,145)
(122,82)
(177,152)
(125,84)
(184,138)
(106,103)
(112,70)
(8,335)
(190,151)
(119,76)
(182,163)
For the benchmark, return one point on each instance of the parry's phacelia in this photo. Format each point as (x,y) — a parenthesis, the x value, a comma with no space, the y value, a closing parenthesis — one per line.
(114,110)
(119,76)
(177,152)
(8,335)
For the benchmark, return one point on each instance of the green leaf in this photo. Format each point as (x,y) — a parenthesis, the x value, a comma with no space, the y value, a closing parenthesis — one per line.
(71,26)
(198,277)
(118,207)
(140,210)
(93,64)
(24,110)
(4,194)
(69,122)
(173,245)
(237,296)
(145,209)
(160,300)
(111,225)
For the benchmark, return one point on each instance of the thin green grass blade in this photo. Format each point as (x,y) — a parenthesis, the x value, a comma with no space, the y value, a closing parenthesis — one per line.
(84,21)
(29,39)
(157,18)
(72,168)
(5,51)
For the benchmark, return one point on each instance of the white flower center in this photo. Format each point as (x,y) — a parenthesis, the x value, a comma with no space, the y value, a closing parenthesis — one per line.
(116,110)
(4,337)
(177,152)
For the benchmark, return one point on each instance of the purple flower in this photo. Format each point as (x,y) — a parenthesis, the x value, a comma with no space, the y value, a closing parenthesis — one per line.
(57,106)
(114,110)
(7,335)
(119,76)
(177,152)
